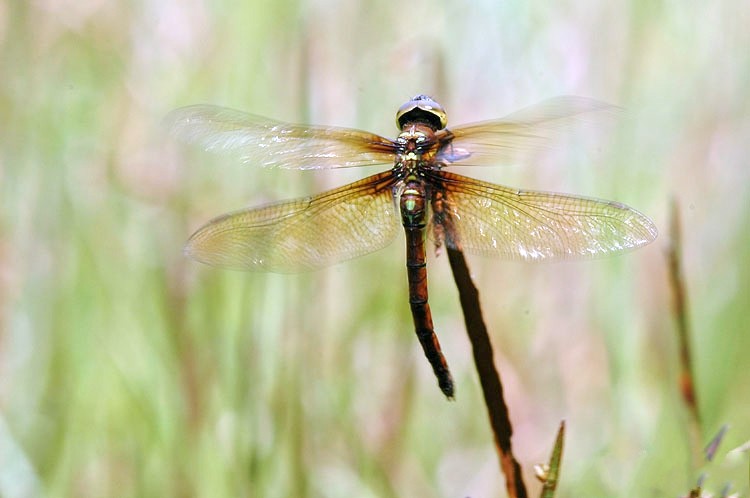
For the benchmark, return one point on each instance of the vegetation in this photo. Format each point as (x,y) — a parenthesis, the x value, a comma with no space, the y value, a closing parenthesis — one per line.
(127,370)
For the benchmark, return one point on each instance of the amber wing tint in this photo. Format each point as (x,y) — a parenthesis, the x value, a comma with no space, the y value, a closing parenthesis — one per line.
(266,142)
(512,139)
(519,224)
(302,234)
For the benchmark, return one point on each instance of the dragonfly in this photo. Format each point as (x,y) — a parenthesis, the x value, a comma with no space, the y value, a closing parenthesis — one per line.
(416,195)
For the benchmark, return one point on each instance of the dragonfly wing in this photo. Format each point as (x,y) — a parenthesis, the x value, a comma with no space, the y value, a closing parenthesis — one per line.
(512,139)
(266,142)
(302,234)
(487,219)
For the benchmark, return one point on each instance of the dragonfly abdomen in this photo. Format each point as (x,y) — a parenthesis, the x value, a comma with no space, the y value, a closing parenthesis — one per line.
(413,214)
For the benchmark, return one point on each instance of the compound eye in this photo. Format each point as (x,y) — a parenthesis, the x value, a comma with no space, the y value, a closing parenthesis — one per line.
(422,108)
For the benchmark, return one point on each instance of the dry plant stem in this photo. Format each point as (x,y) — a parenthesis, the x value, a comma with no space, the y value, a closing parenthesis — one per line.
(680,310)
(677,283)
(492,388)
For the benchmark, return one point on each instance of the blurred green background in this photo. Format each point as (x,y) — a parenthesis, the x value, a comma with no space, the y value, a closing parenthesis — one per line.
(126,370)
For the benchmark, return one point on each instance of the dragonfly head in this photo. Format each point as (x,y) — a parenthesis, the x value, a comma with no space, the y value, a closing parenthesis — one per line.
(423,109)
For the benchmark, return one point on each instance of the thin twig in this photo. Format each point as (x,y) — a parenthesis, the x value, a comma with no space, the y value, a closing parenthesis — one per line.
(492,388)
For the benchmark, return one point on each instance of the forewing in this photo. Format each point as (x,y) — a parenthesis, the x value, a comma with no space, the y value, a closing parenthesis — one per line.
(487,219)
(303,234)
(266,142)
(512,139)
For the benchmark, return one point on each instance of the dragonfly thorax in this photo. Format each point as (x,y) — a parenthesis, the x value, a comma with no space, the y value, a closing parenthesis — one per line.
(418,146)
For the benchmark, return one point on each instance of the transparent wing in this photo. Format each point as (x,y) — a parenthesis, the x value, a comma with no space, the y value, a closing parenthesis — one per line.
(487,219)
(267,142)
(511,139)
(303,234)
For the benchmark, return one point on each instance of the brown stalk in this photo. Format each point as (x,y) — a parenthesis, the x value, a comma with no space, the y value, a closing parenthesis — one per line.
(489,377)
(677,282)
